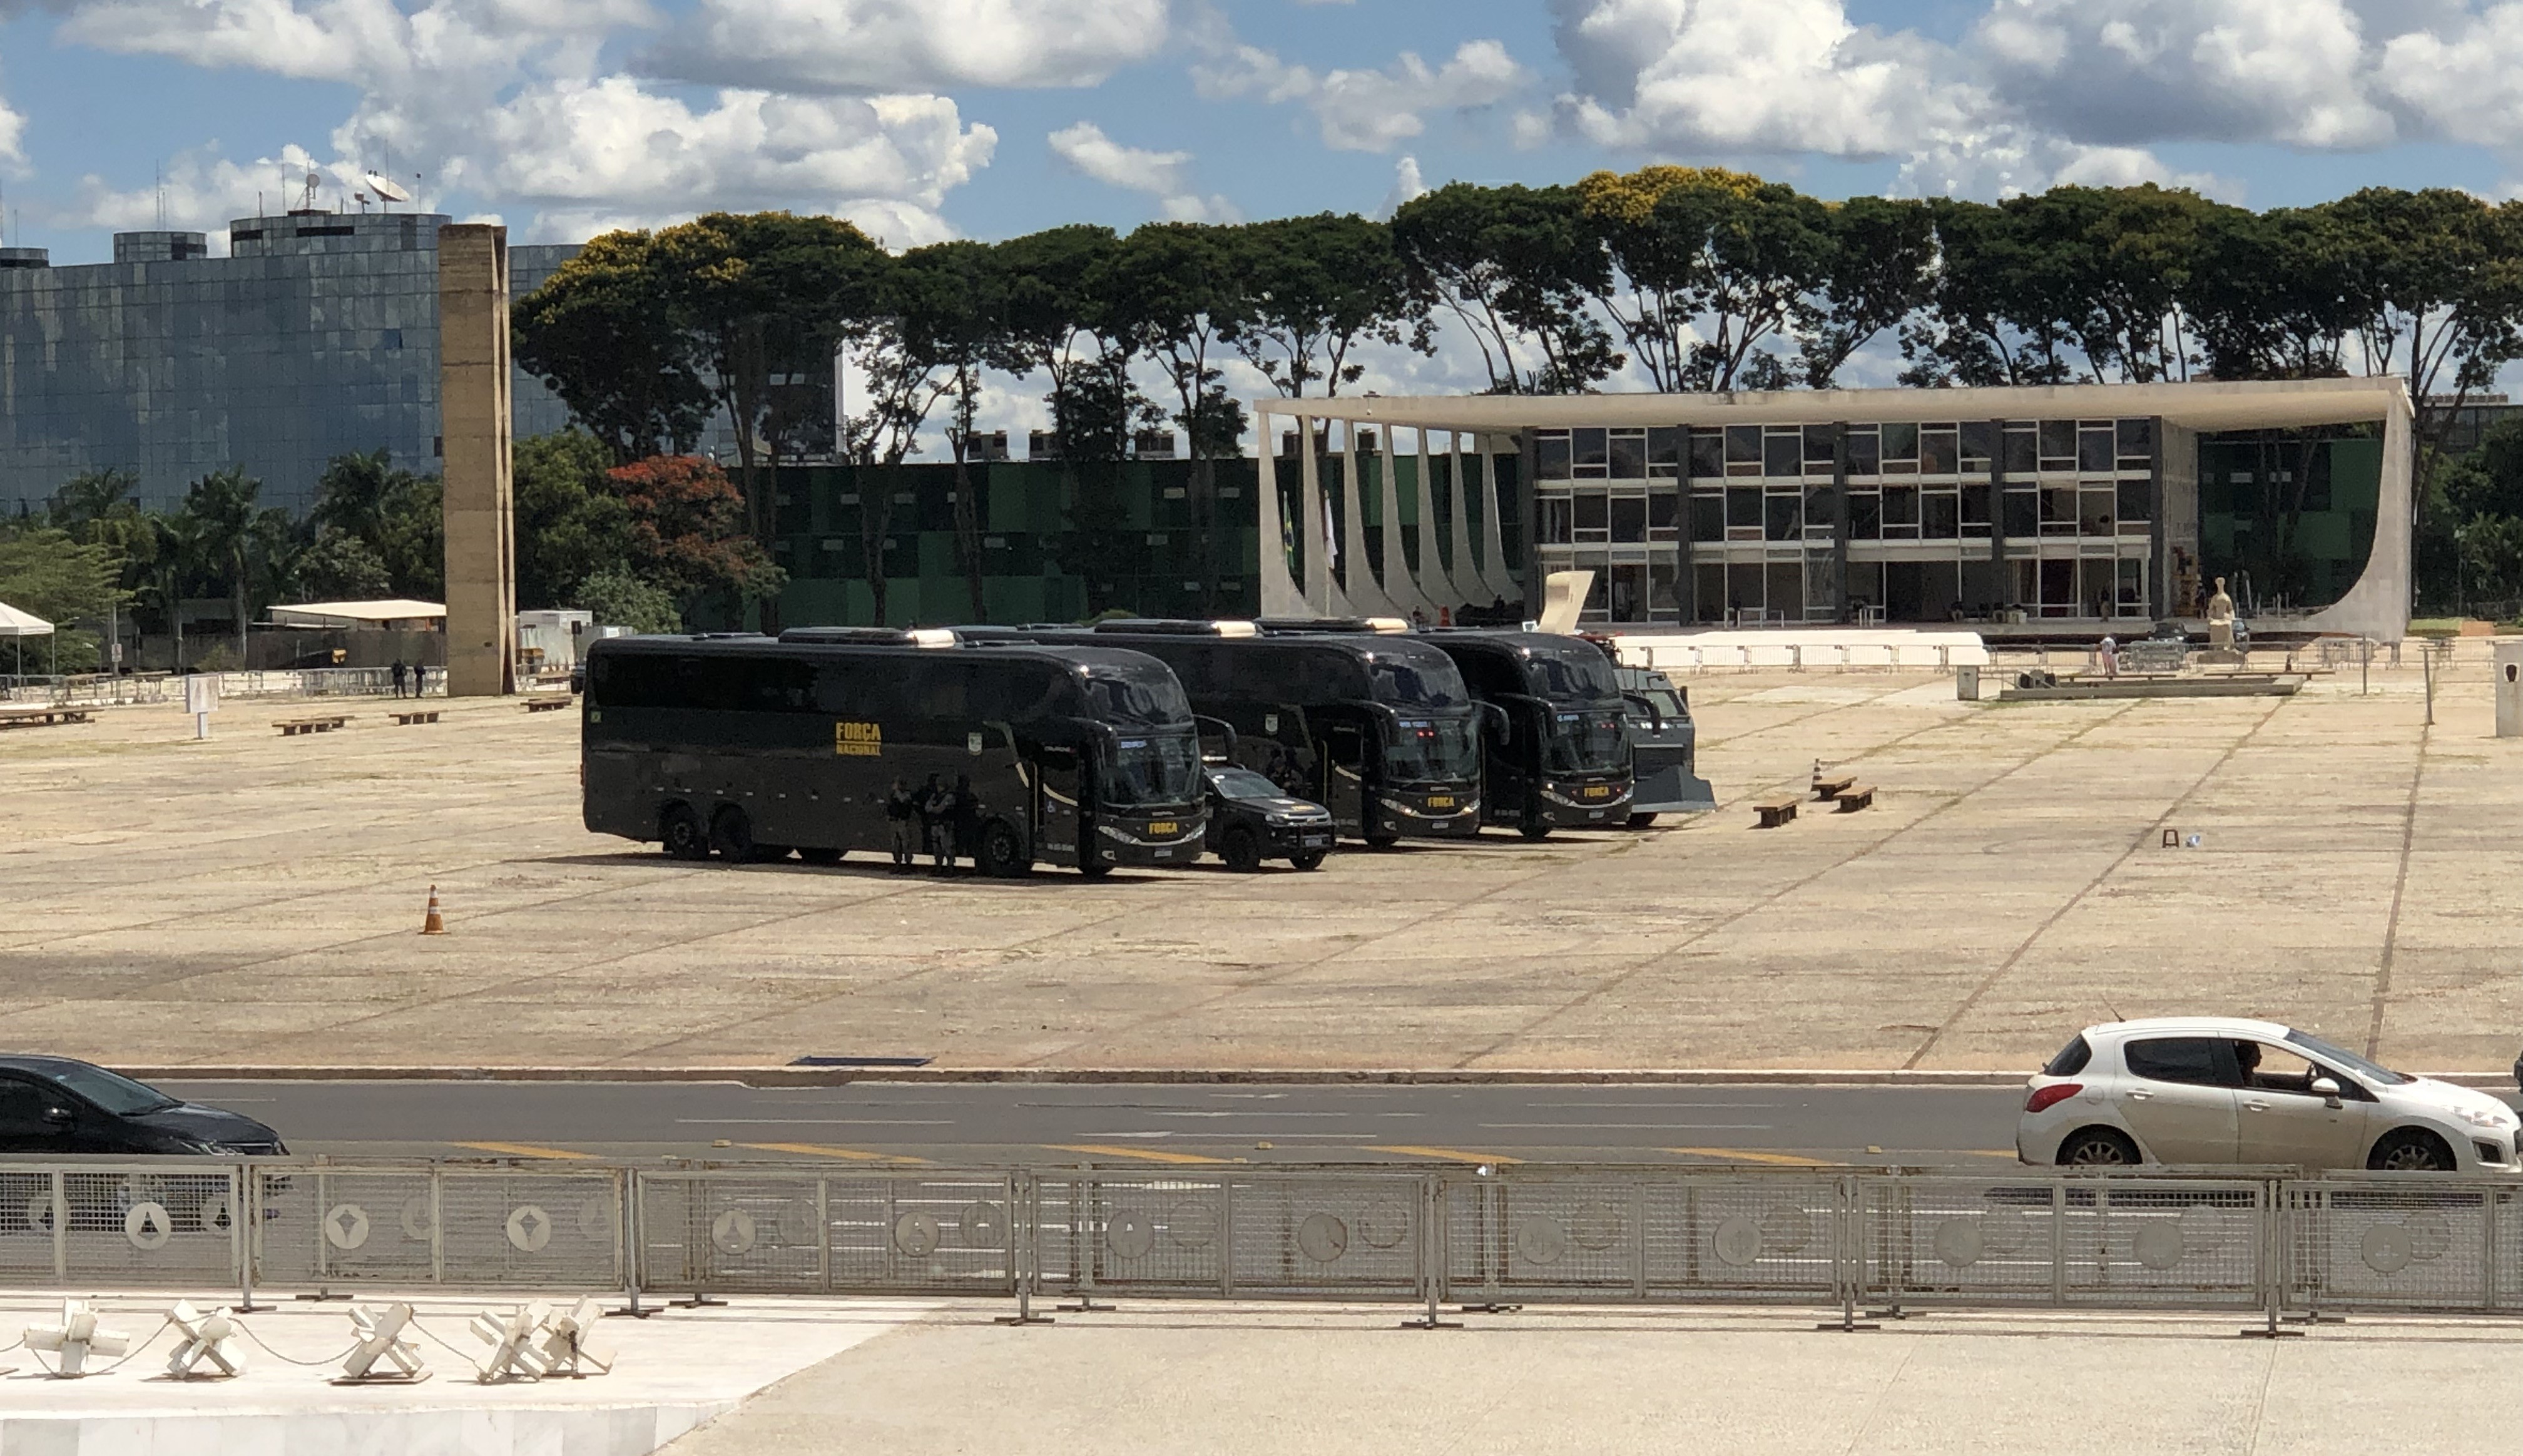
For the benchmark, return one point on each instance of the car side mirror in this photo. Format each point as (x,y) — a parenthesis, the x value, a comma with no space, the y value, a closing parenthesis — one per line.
(2327,1088)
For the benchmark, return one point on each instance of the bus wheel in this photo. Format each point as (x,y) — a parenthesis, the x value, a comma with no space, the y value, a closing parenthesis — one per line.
(1241,849)
(1642,821)
(1381,839)
(732,835)
(682,832)
(1312,859)
(1534,827)
(1002,853)
(1094,869)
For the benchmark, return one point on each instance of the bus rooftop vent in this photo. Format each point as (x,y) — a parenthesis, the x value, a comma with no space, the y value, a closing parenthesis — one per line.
(861,636)
(1178,628)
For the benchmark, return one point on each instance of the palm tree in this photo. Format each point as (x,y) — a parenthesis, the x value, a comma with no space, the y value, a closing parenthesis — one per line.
(92,496)
(176,549)
(222,507)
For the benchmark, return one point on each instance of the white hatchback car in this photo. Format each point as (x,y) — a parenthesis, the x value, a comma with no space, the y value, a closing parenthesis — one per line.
(2224,1090)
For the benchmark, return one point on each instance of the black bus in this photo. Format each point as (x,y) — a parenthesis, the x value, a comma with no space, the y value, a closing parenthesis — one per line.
(754,746)
(1379,729)
(1564,761)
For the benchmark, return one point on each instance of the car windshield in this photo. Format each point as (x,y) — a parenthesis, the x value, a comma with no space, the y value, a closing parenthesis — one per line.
(1666,703)
(1407,684)
(116,1094)
(1432,750)
(1154,772)
(1587,742)
(1244,784)
(1154,699)
(2341,1056)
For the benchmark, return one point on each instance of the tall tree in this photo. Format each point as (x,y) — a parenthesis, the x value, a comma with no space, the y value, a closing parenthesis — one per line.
(222,506)
(2436,279)
(571,522)
(2268,297)
(1178,289)
(1880,253)
(600,334)
(1515,266)
(687,531)
(948,300)
(1710,268)
(1316,289)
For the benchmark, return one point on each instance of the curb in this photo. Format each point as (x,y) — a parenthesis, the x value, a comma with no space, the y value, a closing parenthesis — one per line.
(834,1076)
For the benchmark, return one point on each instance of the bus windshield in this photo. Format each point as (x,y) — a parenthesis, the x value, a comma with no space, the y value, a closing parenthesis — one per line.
(1414,684)
(1586,741)
(1432,750)
(1151,771)
(1151,699)
(1577,675)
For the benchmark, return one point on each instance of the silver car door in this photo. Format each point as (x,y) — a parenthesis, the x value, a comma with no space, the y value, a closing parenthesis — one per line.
(2178,1097)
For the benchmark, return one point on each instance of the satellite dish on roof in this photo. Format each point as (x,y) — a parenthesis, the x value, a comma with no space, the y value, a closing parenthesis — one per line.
(386,188)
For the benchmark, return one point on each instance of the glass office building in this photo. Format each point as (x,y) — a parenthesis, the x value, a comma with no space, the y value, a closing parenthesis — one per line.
(316,336)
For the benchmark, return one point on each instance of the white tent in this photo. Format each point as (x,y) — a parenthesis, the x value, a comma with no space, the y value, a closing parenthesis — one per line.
(21,626)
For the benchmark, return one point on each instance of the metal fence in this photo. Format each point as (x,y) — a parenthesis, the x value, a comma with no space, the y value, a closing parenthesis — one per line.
(2249,1241)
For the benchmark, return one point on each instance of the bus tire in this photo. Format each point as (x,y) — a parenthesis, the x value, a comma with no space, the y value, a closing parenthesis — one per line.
(681,833)
(1642,821)
(1094,869)
(1002,851)
(1534,827)
(1312,859)
(732,834)
(1241,849)
(1381,839)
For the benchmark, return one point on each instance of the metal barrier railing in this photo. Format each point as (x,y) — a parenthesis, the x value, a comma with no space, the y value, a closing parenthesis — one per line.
(2246,1241)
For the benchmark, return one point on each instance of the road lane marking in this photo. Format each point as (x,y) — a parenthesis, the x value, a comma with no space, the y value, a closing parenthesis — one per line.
(1671,1127)
(1450,1154)
(815,1122)
(1106,1149)
(820,1149)
(527,1150)
(1749,1156)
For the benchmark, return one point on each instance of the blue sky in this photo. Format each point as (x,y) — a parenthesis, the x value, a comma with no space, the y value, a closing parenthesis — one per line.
(989,117)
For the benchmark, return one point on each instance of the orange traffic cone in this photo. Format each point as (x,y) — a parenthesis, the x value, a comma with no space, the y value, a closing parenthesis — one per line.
(433,924)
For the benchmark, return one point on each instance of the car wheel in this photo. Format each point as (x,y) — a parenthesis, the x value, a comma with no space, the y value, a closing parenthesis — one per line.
(1642,821)
(682,832)
(1240,848)
(820,855)
(1002,853)
(2410,1150)
(1312,859)
(2098,1147)
(732,835)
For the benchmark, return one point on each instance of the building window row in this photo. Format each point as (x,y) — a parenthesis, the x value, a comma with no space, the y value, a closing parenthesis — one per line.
(2014,448)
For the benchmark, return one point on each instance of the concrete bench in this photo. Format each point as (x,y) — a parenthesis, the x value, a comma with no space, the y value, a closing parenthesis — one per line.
(1855,797)
(420,715)
(548,704)
(291,728)
(1777,812)
(1824,789)
(40,717)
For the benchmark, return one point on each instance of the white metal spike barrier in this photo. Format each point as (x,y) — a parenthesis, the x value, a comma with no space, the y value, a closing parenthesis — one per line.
(204,1340)
(380,1337)
(512,1353)
(573,1346)
(76,1339)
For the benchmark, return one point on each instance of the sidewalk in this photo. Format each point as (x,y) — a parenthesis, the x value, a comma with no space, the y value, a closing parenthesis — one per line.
(1164,1379)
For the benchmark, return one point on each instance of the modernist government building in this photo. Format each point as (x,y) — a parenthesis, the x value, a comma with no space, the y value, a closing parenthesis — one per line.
(317,336)
(2076,508)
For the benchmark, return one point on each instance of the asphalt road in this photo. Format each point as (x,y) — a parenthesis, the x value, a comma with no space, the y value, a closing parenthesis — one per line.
(996,1123)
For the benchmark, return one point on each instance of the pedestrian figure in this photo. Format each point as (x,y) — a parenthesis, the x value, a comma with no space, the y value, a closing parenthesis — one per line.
(398,676)
(420,679)
(900,810)
(936,806)
(964,820)
(2110,658)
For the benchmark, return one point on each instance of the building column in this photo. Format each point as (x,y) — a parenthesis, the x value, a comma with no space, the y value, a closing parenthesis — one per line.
(474,424)
(1839,522)
(1279,593)
(2158,541)
(1686,581)
(2002,575)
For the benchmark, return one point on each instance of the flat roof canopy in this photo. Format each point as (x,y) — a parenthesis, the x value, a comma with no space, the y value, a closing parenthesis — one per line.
(356,613)
(2209,406)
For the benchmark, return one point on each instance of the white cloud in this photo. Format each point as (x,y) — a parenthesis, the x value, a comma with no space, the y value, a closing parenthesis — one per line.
(510,104)
(1405,186)
(2463,81)
(893,45)
(1366,111)
(202,192)
(1164,175)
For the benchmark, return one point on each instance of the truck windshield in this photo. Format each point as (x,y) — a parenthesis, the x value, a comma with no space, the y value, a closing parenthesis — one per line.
(1432,750)
(1119,696)
(1666,703)
(1586,741)
(1153,771)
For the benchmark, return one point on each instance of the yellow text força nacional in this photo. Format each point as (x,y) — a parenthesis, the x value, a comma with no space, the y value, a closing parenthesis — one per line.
(858,739)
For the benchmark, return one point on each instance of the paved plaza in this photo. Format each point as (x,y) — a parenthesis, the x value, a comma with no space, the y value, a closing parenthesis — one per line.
(1176,1378)
(253,901)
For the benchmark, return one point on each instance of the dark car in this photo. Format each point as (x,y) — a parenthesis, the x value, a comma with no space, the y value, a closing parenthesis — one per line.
(1252,820)
(1663,748)
(53,1105)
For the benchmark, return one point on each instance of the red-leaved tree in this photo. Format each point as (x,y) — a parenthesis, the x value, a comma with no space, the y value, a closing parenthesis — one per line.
(688,530)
